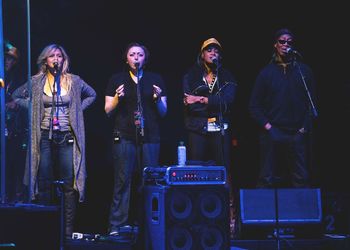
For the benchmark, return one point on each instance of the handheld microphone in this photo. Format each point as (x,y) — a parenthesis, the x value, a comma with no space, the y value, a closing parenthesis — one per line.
(137,65)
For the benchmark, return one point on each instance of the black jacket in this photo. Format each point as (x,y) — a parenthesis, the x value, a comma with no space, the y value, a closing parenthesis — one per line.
(280,98)
(197,114)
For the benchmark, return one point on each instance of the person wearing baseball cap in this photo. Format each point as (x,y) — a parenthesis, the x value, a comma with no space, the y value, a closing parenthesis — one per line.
(280,104)
(209,94)
(211,41)
(15,126)
(11,56)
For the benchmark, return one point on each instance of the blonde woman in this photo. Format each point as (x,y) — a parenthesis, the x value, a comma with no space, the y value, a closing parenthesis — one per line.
(57,132)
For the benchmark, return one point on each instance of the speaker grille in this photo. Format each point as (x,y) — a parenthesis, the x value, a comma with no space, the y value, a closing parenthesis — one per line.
(295,206)
(191,217)
(299,212)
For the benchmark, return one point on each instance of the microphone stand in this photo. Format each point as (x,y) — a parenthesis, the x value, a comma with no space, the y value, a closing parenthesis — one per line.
(312,110)
(312,105)
(222,138)
(53,122)
(54,93)
(139,114)
(315,114)
(139,121)
(220,117)
(277,229)
(59,191)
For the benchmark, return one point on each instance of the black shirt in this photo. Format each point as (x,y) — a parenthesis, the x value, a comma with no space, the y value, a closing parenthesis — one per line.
(279,96)
(124,115)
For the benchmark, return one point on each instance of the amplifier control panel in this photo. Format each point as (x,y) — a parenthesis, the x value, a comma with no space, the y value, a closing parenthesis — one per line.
(195,175)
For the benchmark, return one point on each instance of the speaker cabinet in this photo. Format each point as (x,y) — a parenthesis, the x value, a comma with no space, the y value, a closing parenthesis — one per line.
(186,217)
(7,246)
(299,210)
(29,226)
(336,212)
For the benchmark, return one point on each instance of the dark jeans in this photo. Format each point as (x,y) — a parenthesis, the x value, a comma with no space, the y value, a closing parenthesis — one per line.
(283,159)
(214,147)
(210,147)
(56,163)
(15,162)
(127,179)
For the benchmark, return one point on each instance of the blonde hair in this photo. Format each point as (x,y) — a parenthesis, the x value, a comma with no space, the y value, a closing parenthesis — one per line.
(66,79)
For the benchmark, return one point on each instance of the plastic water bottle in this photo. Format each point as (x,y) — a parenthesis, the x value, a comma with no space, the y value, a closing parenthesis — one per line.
(181,154)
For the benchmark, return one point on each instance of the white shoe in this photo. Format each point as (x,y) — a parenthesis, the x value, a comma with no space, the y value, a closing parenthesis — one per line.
(114,233)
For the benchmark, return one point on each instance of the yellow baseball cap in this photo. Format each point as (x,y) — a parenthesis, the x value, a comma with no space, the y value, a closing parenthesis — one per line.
(209,41)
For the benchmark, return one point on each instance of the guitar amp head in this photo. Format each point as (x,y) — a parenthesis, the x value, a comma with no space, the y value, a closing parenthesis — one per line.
(185,175)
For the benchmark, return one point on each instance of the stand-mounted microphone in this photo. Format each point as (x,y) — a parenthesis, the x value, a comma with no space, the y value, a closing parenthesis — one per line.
(216,62)
(292,51)
(55,65)
(57,77)
(56,69)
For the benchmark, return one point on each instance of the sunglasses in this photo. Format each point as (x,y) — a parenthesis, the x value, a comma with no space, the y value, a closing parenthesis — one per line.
(285,41)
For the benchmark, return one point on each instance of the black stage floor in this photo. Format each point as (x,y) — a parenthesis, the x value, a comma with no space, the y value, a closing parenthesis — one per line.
(29,226)
(290,244)
(325,243)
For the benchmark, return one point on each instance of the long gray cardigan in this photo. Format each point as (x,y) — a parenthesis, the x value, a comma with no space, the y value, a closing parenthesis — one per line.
(82,95)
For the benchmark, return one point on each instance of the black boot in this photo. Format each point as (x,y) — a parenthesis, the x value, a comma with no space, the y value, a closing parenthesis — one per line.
(70,206)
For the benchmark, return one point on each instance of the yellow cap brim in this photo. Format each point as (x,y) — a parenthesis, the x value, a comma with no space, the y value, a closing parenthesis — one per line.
(210,41)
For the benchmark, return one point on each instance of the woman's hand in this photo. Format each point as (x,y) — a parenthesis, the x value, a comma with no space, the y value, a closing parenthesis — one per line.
(156,92)
(120,91)
(190,99)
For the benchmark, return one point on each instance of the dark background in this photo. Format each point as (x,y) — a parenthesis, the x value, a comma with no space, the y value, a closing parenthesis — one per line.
(95,34)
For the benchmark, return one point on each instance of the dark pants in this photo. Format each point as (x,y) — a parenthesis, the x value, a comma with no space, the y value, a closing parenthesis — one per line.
(127,180)
(210,147)
(15,161)
(218,149)
(56,163)
(283,159)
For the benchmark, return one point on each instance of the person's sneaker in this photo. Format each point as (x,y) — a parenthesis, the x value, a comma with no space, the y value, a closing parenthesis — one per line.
(126,228)
(114,233)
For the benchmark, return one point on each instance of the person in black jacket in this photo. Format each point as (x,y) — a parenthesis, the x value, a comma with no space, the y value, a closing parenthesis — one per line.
(209,93)
(282,103)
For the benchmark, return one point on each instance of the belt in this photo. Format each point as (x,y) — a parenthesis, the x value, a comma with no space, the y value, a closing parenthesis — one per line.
(214,127)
